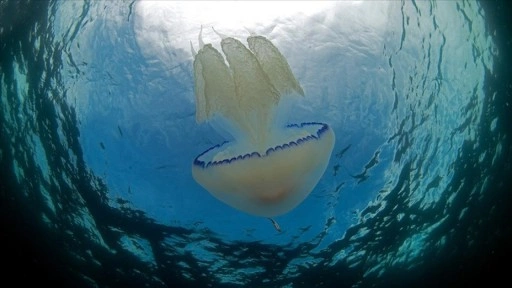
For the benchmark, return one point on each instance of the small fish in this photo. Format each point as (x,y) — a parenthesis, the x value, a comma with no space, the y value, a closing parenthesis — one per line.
(162,167)
(278,228)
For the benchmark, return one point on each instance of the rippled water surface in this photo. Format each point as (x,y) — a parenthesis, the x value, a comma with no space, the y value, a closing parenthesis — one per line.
(98,135)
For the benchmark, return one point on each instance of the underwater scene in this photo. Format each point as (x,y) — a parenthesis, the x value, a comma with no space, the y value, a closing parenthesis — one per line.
(255,144)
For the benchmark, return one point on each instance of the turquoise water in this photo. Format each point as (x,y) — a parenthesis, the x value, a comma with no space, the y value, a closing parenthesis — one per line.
(98,136)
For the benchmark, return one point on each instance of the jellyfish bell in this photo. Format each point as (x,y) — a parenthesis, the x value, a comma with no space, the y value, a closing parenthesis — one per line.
(267,169)
(268,184)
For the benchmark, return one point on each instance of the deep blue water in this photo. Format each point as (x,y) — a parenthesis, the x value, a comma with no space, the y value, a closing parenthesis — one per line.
(98,136)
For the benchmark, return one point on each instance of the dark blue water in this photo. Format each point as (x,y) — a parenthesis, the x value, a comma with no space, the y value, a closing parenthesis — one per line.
(97,137)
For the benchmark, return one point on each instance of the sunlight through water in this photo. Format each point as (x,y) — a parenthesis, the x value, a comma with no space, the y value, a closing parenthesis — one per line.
(100,145)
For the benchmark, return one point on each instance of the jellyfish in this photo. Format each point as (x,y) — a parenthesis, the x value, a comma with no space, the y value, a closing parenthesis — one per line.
(268,167)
